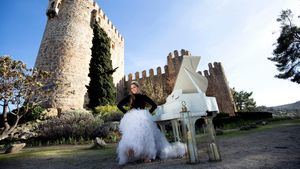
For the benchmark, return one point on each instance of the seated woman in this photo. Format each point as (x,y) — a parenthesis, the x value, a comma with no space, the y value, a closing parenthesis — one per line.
(141,138)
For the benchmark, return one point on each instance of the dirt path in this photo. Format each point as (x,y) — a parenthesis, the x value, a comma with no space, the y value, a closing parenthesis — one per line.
(274,148)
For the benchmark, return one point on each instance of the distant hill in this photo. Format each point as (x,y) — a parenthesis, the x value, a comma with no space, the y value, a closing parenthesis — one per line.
(291,106)
(291,110)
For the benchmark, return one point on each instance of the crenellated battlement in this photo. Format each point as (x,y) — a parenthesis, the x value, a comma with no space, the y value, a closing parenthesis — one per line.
(213,69)
(162,77)
(145,74)
(97,14)
(162,83)
(173,60)
(100,17)
(65,50)
(218,87)
(176,54)
(66,47)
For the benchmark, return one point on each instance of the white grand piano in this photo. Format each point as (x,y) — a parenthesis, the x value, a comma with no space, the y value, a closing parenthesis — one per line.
(190,87)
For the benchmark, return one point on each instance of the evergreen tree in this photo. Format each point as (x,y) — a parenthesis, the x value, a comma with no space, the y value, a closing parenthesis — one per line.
(243,101)
(101,90)
(287,51)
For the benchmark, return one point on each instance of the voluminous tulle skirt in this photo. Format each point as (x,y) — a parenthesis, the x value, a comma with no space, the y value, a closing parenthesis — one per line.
(142,135)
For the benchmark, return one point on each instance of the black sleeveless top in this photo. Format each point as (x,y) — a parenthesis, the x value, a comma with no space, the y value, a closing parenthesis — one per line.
(139,102)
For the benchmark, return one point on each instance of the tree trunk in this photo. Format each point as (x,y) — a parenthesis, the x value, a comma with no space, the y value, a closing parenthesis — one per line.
(7,128)
(4,133)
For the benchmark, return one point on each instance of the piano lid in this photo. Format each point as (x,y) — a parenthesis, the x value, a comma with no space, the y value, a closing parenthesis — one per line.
(188,79)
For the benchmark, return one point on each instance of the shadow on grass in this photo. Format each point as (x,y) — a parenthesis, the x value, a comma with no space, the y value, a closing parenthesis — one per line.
(60,151)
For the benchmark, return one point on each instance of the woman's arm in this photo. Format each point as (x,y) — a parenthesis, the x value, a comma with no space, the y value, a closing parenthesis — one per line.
(151,102)
(122,103)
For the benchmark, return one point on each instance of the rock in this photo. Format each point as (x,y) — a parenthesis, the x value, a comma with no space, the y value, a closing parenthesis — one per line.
(99,142)
(14,148)
(264,123)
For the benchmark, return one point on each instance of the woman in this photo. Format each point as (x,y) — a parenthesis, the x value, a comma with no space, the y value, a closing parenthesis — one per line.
(141,138)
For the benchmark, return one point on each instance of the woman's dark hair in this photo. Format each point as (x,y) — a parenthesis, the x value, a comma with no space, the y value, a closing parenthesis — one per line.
(132,97)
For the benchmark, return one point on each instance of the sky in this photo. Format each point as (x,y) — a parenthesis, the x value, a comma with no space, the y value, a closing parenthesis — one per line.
(238,33)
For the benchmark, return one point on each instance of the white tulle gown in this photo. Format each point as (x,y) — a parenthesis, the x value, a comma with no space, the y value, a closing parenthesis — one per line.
(142,135)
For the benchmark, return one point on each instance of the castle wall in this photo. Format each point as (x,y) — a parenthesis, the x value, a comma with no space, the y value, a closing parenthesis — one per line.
(218,87)
(160,84)
(217,82)
(65,49)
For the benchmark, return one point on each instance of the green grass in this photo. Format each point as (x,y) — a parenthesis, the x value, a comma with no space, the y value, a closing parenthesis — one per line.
(110,150)
(270,125)
(60,151)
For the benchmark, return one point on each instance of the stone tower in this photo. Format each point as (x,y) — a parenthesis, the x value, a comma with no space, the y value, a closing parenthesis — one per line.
(65,49)
(218,87)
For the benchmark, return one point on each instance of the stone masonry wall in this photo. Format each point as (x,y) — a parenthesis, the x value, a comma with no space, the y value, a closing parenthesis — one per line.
(65,49)
(218,87)
(161,84)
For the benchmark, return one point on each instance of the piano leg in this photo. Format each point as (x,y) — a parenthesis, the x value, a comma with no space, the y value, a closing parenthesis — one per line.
(162,127)
(213,149)
(189,133)
(176,131)
(175,128)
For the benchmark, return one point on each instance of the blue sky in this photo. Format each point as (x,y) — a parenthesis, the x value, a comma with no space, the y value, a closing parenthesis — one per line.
(238,33)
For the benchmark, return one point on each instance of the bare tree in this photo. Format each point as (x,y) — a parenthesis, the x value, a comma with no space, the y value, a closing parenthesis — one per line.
(20,88)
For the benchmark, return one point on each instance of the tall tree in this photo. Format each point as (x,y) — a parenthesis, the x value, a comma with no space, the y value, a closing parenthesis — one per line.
(101,90)
(287,51)
(243,101)
(21,88)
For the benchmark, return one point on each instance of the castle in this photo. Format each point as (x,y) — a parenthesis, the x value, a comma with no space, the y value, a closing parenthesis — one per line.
(161,84)
(65,49)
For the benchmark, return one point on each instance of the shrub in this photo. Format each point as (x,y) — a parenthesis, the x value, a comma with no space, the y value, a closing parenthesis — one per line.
(78,125)
(113,137)
(108,113)
(36,113)
(254,115)
(241,119)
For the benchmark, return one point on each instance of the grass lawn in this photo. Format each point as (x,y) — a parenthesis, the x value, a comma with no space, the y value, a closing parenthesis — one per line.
(110,151)
(60,151)
(270,125)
